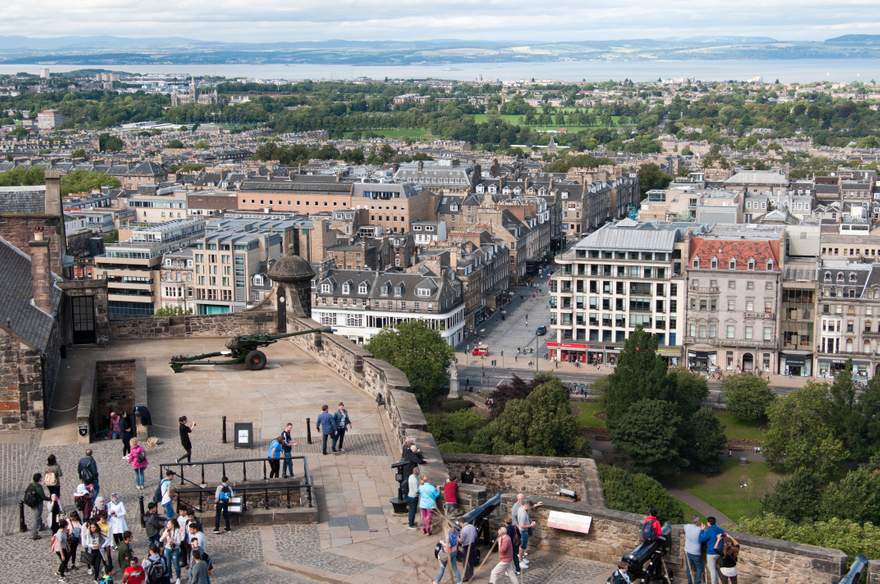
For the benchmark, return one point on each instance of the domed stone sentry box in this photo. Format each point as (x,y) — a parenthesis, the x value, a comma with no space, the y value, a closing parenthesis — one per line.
(293,293)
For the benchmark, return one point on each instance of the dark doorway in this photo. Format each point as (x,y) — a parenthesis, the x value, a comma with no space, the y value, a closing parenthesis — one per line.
(281,324)
(83,311)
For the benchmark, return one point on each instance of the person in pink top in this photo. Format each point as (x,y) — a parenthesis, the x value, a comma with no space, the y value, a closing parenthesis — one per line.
(115,425)
(505,559)
(137,458)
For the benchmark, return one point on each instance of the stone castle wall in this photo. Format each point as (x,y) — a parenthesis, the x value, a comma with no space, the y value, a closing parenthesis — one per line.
(220,325)
(21,385)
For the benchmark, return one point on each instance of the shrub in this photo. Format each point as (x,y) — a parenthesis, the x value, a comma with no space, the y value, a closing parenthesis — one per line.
(846,535)
(747,397)
(637,492)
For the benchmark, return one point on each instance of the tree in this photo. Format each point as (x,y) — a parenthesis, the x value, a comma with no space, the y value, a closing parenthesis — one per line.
(748,397)
(418,351)
(457,428)
(79,153)
(686,390)
(704,441)
(795,497)
(637,493)
(843,534)
(83,181)
(172,311)
(542,424)
(108,143)
(648,433)
(174,143)
(640,374)
(651,177)
(856,496)
(516,388)
(799,434)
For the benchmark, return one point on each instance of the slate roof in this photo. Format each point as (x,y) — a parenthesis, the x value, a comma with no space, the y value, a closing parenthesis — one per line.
(624,236)
(17,311)
(29,200)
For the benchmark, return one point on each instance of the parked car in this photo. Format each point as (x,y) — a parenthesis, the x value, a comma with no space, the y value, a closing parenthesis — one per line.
(541,331)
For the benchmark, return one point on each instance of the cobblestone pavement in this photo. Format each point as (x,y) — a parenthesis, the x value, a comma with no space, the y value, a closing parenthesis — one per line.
(302,544)
(550,570)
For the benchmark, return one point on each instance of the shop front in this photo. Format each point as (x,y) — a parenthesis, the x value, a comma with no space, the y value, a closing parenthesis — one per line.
(567,352)
(672,355)
(702,358)
(831,366)
(796,363)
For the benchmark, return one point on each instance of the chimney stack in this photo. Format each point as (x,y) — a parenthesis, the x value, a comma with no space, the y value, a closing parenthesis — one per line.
(53,193)
(41,274)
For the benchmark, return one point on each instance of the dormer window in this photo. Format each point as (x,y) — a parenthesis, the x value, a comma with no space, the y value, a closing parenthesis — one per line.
(827,277)
(839,277)
(696,263)
(714,263)
(386,289)
(732,264)
(453,207)
(423,292)
(326,288)
(751,264)
(362,288)
(346,288)
(852,277)
(769,265)
(398,290)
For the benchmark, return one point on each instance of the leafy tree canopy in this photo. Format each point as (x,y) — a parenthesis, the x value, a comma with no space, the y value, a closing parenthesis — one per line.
(748,397)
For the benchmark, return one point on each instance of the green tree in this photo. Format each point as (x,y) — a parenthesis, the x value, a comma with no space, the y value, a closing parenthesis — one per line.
(640,374)
(704,441)
(856,496)
(648,433)
(516,388)
(844,534)
(748,397)
(542,424)
(686,390)
(418,351)
(796,497)
(651,177)
(108,143)
(174,143)
(83,181)
(455,431)
(79,153)
(172,311)
(637,493)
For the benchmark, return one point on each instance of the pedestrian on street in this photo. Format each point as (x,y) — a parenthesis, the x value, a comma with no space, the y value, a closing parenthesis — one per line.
(52,476)
(156,568)
(198,573)
(137,458)
(127,426)
(468,543)
(171,538)
(166,494)
(61,548)
(35,497)
(273,454)
(93,541)
(222,496)
(74,536)
(505,559)
(287,444)
(428,494)
(124,553)
(412,497)
(153,523)
(327,426)
(87,470)
(342,421)
(115,426)
(55,512)
(116,519)
(185,430)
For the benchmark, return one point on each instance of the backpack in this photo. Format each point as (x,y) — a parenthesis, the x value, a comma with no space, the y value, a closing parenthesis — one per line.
(648,533)
(155,571)
(438,548)
(141,456)
(85,471)
(30,496)
(453,539)
(617,578)
(157,494)
(50,479)
(225,493)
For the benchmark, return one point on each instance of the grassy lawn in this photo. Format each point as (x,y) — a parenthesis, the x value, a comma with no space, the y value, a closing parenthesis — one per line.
(736,430)
(587,416)
(723,492)
(402,133)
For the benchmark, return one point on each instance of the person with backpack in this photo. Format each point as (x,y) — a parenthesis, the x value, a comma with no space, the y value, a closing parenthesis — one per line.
(287,444)
(467,542)
(326,425)
(87,469)
(273,454)
(52,476)
(61,548)
(35,497)
(729,557)
(342,422)
(185,430)
(620,575)
(124,553)
(164,494)
(711,536)
(93,542)
(651,528)
(222,496)
(446,552)
(153,522)
(74,536)
(137,458)
(156,569)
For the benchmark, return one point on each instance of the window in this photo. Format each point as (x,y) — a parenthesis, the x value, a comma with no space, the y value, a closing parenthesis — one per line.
(748,333)
(328,318)
(768,333)
(732,264)
(362,288)
(423,292)
(386,289)
(326,288)
(697,263)
(839,277)
(852,276)
(731,304)
(731,284)
(731,331)
(398,290)
(750,304)
(750,285)
(769,265)
(768,286)
(714,263)
(346,288)
(751,264)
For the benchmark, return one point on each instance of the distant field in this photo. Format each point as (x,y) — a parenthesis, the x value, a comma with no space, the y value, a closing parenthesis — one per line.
(736,430)
(398,133)
(517,120)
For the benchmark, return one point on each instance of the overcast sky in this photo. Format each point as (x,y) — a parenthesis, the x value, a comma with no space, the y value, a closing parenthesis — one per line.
(530,20)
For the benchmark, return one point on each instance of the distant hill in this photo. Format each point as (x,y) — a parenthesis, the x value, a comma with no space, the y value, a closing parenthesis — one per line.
(855,39)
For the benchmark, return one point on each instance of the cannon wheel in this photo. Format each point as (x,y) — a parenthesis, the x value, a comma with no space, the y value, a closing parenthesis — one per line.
(255,360)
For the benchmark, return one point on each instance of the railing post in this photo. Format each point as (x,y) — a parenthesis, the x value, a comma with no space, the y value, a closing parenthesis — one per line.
(181,474)
(22,526)
(309,430)
(267,497)
(141,510)
(203,474)
(265,478)
(223,468)
(288,497)
(244,470)
(224,429)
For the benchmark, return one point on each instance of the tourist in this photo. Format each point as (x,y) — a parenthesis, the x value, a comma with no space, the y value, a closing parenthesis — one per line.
(87,470)
(205,557)
(446,552)
(56,512)
(287,444)
(520,497)
(468,543)
(156,567)
(115,426)
(124,553)
(693,551)
(171,538)
(198,573)
(273,454)
(513,534)
(412,497)
(35,497)
(450,495)
(82,500)
(326,424)
(133,573)
(342,421)
(222,496)
(183,522)
(711,537)
(93,542)
(467,475)
(153,522)
(52,476)
(116,518)
(525,525)
(413,457)
(729,557)
(106,548)
(74,536)
(137,458)
(166,494)
(505,559)
(621,574)
(196,539)
(651,528)
(127,426)
(185,430)
(61,548)
(428,494)
(99,510)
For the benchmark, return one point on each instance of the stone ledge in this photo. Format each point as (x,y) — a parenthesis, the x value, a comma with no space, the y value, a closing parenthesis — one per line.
(277,516)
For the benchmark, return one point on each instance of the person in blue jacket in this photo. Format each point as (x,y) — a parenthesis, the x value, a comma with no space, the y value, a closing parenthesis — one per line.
(713,548)
(326,425)
(274,456)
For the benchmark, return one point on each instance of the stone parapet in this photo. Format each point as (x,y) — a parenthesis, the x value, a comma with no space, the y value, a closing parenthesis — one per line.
(219,325)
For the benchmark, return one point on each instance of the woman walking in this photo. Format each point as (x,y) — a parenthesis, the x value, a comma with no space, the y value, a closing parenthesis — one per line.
(137,458)
(61,548)
(52,476)
(56,513)
(446,551)
(116,518)
(74,536)
(170,539)
(93,541)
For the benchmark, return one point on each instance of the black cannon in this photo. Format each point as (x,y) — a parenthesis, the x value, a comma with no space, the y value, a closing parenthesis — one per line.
(479,516)
(645,562)
(859,565)
(241,349)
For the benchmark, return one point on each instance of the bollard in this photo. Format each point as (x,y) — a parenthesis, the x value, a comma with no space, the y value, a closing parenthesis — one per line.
(224,429)
(141,509)
(309,430)
(22,526)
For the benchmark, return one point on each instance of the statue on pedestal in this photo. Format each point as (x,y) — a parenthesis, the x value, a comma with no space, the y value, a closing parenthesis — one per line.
(454,392)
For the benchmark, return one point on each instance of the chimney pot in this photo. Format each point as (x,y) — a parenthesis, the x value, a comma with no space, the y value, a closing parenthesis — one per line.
(41,275)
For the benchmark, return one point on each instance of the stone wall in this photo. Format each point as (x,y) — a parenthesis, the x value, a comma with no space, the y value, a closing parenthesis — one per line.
(116,385)
(220,325)
(541,476)
(22,402)
(615,533)
(19,231)
(97,289)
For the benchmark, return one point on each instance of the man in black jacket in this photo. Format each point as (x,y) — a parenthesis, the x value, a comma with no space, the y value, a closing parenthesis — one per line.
(87,469)
(35,497)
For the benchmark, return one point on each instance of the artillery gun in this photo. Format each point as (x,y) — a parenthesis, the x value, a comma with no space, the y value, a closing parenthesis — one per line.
(241,349)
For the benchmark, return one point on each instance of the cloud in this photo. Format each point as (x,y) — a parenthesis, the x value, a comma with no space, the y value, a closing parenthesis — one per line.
(279,20)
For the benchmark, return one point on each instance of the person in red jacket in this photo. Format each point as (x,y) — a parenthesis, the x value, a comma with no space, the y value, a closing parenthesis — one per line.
(655,525)
(505,559)
(450,495)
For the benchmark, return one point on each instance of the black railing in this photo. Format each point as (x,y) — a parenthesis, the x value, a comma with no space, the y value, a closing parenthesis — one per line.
(207,475)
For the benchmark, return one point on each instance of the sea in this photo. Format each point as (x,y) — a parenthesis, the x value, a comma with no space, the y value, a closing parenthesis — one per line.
(768,70)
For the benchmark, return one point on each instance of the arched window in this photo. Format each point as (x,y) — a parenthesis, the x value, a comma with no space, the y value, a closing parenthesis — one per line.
(852,276)
(386,289)
(827,277)
(362,288)
(346,288)
(398,291)
(839,277)
(326,287)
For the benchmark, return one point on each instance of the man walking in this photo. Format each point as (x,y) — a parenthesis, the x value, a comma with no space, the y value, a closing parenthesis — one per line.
(185,431)
(34,497)
(327,426)
(711,537)
(412,497)
(505,559)
(468,542)
(343,423)
(87,469)
(287,444)
(693,553)
(222,496)
(525,524)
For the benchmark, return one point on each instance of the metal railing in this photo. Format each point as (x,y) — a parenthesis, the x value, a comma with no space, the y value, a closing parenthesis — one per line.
(224,466)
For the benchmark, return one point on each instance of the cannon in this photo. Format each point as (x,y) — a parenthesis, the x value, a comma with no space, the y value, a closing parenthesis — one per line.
(240,349)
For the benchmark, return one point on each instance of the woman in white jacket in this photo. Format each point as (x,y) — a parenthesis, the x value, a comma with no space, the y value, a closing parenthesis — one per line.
(116,518)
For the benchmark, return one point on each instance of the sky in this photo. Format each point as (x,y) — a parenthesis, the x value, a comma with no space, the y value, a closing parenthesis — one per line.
(504,20)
